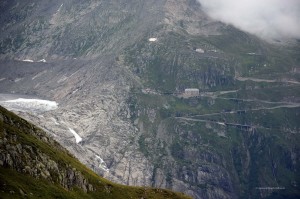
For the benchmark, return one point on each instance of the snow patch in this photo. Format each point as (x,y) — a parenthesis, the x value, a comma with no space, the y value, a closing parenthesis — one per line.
(30,105)
(102,164)
(152,39)
(199,50)
(31,61)
(42,60)
(77,137)
(98,157)
(2,79)
(28,60)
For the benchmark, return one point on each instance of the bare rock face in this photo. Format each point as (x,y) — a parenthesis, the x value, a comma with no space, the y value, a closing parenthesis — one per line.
(30,160)
(117,70)
(189,17)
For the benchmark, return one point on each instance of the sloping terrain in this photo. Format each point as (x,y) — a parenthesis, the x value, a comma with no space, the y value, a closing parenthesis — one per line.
(118,69)
(34,165)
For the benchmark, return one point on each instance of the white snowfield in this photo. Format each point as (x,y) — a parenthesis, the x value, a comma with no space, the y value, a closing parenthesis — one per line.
(77,137)
(29,105)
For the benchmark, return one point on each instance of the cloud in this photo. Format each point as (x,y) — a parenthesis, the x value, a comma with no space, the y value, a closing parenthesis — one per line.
(269,19)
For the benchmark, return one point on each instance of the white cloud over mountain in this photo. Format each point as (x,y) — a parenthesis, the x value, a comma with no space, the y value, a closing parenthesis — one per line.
(269,19)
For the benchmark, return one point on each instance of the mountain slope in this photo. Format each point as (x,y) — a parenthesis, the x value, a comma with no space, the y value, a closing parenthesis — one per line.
(123,94)
(35,165)
(72,28)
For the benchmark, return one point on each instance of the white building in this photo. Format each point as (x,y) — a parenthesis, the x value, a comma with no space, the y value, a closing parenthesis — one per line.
(191,92)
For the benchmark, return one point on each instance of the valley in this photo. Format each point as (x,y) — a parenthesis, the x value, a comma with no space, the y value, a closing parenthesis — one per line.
(113,74)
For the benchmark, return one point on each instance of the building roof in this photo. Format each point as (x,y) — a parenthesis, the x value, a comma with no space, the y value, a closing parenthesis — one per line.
(191,89)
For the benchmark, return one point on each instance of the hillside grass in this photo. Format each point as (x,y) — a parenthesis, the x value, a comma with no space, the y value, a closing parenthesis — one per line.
(11,181)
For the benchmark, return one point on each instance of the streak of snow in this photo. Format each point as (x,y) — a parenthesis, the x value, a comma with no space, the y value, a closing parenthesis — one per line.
(98,157)
(152,39)
(74,91)
(2,79)
(27,60)
(102,164)
(77,137)
(30,60)
(18,79)
(60,7)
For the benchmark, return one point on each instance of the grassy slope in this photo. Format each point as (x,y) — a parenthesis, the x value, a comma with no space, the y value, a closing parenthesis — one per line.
(171,64)
(268,144)
(11,182)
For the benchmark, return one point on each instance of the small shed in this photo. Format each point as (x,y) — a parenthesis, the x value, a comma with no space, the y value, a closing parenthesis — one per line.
(191,92)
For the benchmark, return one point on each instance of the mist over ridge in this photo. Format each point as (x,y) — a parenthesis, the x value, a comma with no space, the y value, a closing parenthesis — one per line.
(268,19)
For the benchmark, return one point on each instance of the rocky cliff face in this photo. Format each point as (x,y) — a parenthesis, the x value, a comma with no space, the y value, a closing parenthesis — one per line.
(122,93)
(29,159)
(34,165)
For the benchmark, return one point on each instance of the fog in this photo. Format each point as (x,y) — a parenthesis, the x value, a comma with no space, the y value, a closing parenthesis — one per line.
(268,19)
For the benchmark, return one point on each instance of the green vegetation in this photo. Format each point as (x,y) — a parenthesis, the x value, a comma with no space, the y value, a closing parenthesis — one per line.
(256,152)
(240,134)
(18,184)
(172,64)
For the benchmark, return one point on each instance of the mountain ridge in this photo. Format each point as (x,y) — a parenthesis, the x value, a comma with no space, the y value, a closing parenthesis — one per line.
(121,93)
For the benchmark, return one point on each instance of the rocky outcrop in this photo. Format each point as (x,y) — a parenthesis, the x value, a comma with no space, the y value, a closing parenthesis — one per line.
(34,165)
(29,159)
